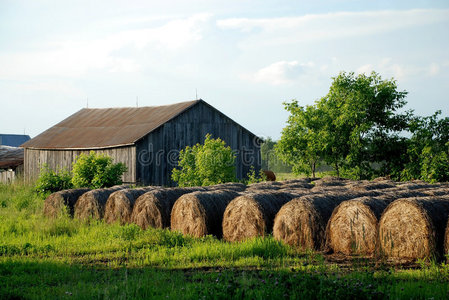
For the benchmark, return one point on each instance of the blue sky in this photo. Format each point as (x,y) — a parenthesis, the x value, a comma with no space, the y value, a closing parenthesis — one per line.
(244,57)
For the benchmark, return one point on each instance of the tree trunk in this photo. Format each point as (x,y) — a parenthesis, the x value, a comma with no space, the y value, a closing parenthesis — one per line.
(337,169)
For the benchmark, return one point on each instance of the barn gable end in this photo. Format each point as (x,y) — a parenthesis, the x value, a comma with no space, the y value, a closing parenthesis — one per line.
(157,152)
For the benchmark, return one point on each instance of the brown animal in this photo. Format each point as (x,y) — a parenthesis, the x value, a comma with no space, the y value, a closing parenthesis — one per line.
(269,175)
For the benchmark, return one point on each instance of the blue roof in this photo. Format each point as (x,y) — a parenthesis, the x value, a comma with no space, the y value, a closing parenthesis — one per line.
(13,140)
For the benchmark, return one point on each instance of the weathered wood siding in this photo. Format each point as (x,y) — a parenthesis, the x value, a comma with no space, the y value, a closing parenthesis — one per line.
(7,176)
(157,153)
(59,159)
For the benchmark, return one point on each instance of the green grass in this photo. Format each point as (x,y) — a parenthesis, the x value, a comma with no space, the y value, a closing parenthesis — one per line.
(64,258)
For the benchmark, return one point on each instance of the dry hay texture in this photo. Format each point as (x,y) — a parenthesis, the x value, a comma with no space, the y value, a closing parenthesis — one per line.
(252,214)
(201,213)
(370,185)
(302,222)
(298,180)
(413,228)
(153,208)
(91,205)
(353,226)
(383,179)
(119,205)
(296,185)
(232,186)
(416,184)
(56,203)
(266,185)
(331,181)
(323,189)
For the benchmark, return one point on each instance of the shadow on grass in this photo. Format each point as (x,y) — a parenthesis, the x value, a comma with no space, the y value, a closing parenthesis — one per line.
(51,280)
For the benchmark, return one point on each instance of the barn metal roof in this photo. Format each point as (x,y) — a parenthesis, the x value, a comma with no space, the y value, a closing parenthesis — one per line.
(13,140)
(99,128)
(10,157)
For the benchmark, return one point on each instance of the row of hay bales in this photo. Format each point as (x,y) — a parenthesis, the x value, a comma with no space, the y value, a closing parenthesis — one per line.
(398,220)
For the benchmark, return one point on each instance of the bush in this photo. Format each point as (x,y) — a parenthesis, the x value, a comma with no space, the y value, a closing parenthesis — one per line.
(254,178)
(96,171)
(50,181)
(207,164)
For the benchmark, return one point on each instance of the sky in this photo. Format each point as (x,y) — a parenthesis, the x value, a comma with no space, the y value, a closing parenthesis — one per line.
(245,58)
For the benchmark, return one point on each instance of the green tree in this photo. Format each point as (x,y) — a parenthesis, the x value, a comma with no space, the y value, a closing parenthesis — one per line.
(361,112)
(96,171)
(301,144)
(205,164)
(428,149)
(349,128)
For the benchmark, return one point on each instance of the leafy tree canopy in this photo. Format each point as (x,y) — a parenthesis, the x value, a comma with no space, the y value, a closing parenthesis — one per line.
(348,127)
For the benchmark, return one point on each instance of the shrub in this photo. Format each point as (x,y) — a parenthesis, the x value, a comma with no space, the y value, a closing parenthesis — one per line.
(207,164)
(96,171)
(50,181)
(254,178)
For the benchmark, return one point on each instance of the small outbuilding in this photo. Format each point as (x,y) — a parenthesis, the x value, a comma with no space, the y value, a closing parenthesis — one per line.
(11,163)
(13,140)
(146,139)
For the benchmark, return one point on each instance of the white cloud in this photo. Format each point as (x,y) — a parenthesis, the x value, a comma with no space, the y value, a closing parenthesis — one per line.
(400,71)
(434,69)
(74,58)
(53,86)
(279,73)
(317,27)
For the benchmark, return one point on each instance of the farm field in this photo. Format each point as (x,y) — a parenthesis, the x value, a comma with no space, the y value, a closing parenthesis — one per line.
(42,258)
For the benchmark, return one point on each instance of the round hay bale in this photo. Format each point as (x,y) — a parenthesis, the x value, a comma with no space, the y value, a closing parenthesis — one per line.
(266,185)
(56,203)
(252,214)
(231,186)
(370,185)
(324,189)
(385,179)
(331,181)
(302,222)
(413,228)
(437,191)
(416,184)
(201,213)
(153,208)
(297,185)
(269,175)
(91,205)
(119,205)
(298,192)
(352,228)
(298,180)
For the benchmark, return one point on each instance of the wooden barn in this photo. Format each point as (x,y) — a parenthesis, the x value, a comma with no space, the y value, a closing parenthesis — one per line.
(146,139)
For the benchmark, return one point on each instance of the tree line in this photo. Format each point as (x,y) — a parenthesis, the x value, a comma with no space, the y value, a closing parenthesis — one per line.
(361,130)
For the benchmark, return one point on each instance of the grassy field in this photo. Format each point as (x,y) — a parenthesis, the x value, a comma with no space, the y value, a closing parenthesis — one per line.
(64,258)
